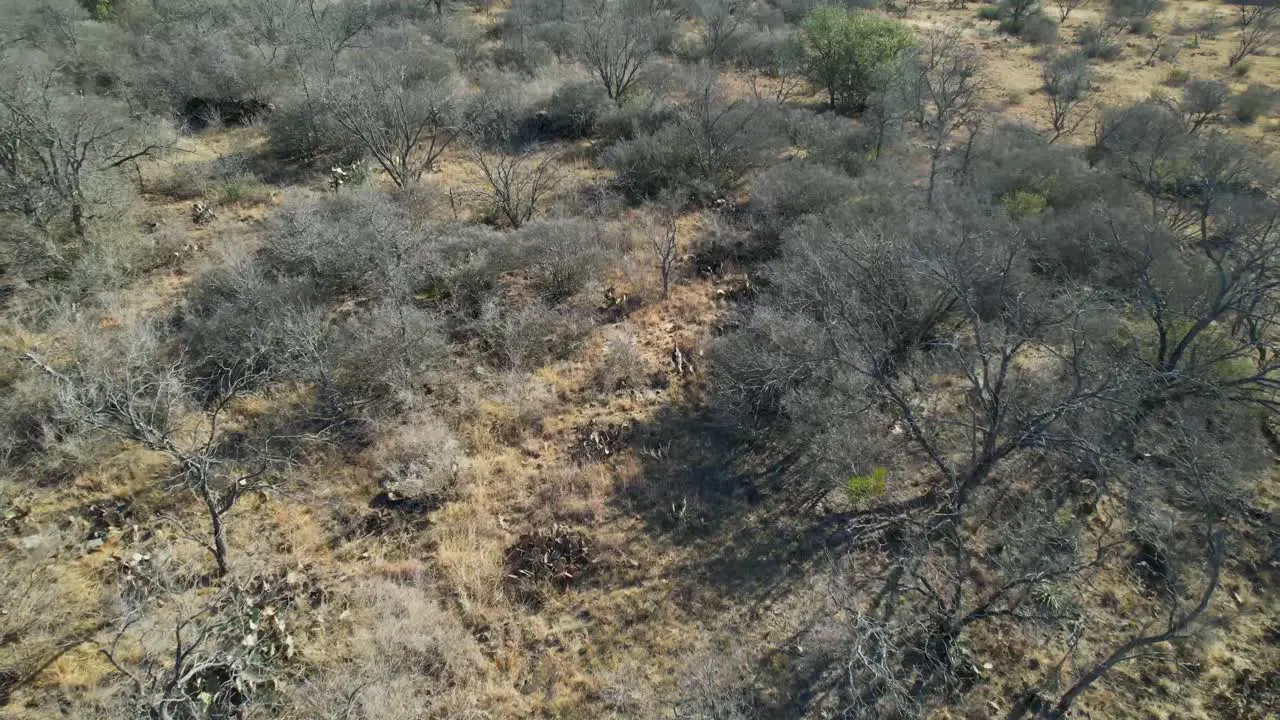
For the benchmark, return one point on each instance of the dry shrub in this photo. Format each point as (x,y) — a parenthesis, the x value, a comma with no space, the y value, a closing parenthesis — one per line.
(788,191)
(113,253)
(718,683)
(524,337)
(406,657)
(187,181)
(28,402)
(419,459)
(599,442)
(409,629)
(564,256)
(509,413)
(622,366)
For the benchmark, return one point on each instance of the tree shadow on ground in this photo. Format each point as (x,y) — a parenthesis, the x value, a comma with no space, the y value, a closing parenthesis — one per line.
(736,499)
(744,510)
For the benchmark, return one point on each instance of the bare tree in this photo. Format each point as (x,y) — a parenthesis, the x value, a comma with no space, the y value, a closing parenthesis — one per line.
(270,27)
(1192,485)
(1066,6)
(725,135)
(717,685)
(1186,177)
(1179,621)
(152,403)
(55,146)
(1139,142)
(401,109)
(868,316)
(615,45)
(335,27)
(872,314)
(946,87)
(663,246)
(1210,335)
(518,181)
(780,74)
(719,25)
(1067,81)
(1220,171)
(1259,24)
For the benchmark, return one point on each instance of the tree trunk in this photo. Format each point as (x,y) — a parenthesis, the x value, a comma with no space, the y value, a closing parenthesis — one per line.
(219,547)
(77,219)
(933,174)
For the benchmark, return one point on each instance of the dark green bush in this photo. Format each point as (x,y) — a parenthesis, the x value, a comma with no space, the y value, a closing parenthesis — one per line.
(573,111)
(786,192)
(1039,29)
(300,132)
(1099,43)
(651,163)
(1253,103)
(831,140)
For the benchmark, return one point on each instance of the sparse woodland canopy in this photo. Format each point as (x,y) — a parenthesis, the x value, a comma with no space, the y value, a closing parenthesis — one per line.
(633,359)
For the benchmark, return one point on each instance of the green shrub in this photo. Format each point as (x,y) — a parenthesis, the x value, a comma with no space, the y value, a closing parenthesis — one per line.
(1023,204)
(845,51)
(243,190)
(867,487)
(988,12)
(1242,68)
(100,9)
(1052,598)
(1177,77)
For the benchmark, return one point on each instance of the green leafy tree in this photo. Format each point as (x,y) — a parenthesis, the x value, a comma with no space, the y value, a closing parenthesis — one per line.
(846,53)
